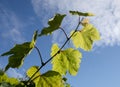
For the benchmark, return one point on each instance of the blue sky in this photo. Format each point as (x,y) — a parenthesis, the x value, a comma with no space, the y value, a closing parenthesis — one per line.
(99,68)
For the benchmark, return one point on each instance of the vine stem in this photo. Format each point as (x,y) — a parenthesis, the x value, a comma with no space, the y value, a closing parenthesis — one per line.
(64,32)
(56,52)
(39,55)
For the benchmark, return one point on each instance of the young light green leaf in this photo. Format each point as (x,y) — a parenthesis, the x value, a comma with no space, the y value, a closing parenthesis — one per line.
(12,81)
(30,72)
(85,37)
(3,77)
(50,79)
(67,60)
(81,13)
(53,23)
(19,52)
(6,79)
(85,22)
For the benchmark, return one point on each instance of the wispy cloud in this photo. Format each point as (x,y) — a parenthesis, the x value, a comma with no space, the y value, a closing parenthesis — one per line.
(10,26)
(107,18)
(14,73)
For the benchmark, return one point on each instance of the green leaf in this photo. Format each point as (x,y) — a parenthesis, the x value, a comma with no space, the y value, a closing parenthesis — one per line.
(31,71)
(81,13)
(18,53)
(85,37)
(53,23)
(67,85)
(12,81)
(4,79)
(50,79)
(1,72)
(85,22)
(5,84)
(65,82)
(66,60)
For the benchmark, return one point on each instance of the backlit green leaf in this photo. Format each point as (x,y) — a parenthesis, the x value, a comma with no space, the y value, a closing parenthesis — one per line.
(1,72)
(18,53)
(12,81)
(4,80)
(85,37)
(85,22)
(53,23)
(3,77)
(81,13)
(50,79)
(67,60)
(31,71)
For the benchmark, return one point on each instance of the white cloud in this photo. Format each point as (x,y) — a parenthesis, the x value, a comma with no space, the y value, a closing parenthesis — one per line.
(107,18)
(14,73)
(10,26)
